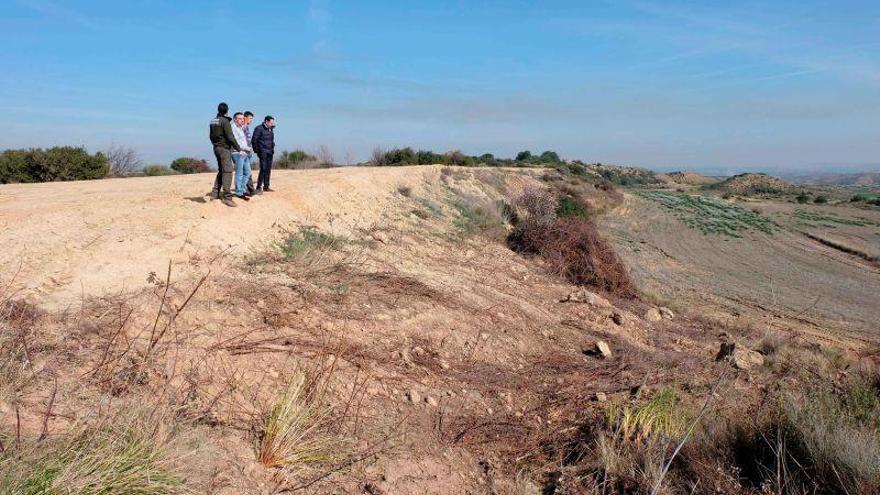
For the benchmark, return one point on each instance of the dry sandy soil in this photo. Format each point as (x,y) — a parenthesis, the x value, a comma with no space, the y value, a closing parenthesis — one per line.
(67,241)
(452,364)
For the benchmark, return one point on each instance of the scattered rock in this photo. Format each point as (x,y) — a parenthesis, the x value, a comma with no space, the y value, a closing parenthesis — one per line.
(380,236)
(585,296)
(431,401)
(739,356)
(666,313)
(653,314)
(602,349)
(414,396)
(617,318)
(444,365)
(600,397)
(261,304)
(418,351)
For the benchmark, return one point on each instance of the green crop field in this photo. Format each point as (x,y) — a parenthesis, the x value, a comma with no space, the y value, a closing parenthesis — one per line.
(711,216)
(830,219)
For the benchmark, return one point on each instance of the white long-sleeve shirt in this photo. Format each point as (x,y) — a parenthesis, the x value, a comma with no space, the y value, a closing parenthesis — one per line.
(241,138)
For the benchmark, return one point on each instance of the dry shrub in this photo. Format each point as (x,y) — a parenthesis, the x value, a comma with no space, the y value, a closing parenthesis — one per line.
(293,433)
(536,205)
(574,249)
(480,215)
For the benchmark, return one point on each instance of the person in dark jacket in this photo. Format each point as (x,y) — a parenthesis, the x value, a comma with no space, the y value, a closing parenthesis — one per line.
(263,142)
(220,132)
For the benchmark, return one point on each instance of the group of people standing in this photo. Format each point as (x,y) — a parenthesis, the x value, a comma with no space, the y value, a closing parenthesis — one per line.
(234,148)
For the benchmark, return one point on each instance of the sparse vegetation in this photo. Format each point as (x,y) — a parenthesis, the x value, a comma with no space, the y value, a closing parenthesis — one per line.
(124,455)
(299,159)
(711,216)
(478,215)
(308,242)
(752,184)
(187,165)
(158,170)
(828,219)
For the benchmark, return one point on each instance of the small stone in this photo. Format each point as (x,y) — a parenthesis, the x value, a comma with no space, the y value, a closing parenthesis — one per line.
(653,314)
(261,304)
(600,397)
(414,396)
(380,236)
(418,351)
(617,318)
(444,365)
(739,356)
(591,298)
(602,349)
(666,313)
(431,401)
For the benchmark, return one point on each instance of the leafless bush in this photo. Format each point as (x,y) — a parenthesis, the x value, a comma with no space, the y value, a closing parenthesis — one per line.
(122,161)
(536,205)
(575,249)
(325,156)
(377,157)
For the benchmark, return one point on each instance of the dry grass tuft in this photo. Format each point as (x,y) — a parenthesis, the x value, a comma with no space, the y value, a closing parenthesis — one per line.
(126,454)
(293,434)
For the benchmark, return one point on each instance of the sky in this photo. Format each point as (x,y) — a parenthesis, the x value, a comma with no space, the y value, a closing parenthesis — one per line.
(716,86)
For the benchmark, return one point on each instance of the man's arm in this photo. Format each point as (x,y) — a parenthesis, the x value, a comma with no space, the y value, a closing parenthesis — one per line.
(227,133)
(256,138)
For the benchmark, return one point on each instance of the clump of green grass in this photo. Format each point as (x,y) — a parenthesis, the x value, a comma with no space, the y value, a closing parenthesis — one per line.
(658,417)
(711,216)
(122,456)
(571,207)
(294,431)
(308,241)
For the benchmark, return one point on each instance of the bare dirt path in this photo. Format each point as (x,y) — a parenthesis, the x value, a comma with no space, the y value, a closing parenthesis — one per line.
(63,241)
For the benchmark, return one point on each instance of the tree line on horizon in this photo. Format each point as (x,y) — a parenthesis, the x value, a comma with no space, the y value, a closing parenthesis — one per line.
(67,163)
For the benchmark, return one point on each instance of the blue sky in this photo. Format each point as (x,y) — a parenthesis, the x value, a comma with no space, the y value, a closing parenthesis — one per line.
(711,85)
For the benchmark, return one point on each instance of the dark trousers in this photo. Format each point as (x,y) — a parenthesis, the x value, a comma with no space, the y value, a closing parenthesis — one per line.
(225,172)
(265,170)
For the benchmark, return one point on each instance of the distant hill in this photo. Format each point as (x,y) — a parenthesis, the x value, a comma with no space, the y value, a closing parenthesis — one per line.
(626,176)
(863,179)
(689,178)
(753,184)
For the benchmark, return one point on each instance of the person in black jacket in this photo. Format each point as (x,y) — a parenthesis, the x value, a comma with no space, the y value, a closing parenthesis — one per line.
(263,142)
(220,133)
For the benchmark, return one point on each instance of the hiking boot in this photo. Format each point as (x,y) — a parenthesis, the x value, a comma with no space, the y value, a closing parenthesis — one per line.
(268,189)
(229,202)
(258,192)
(213,194)
(243,197)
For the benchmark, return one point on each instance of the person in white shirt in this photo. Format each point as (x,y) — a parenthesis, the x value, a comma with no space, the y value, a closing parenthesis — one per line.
(242,158)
